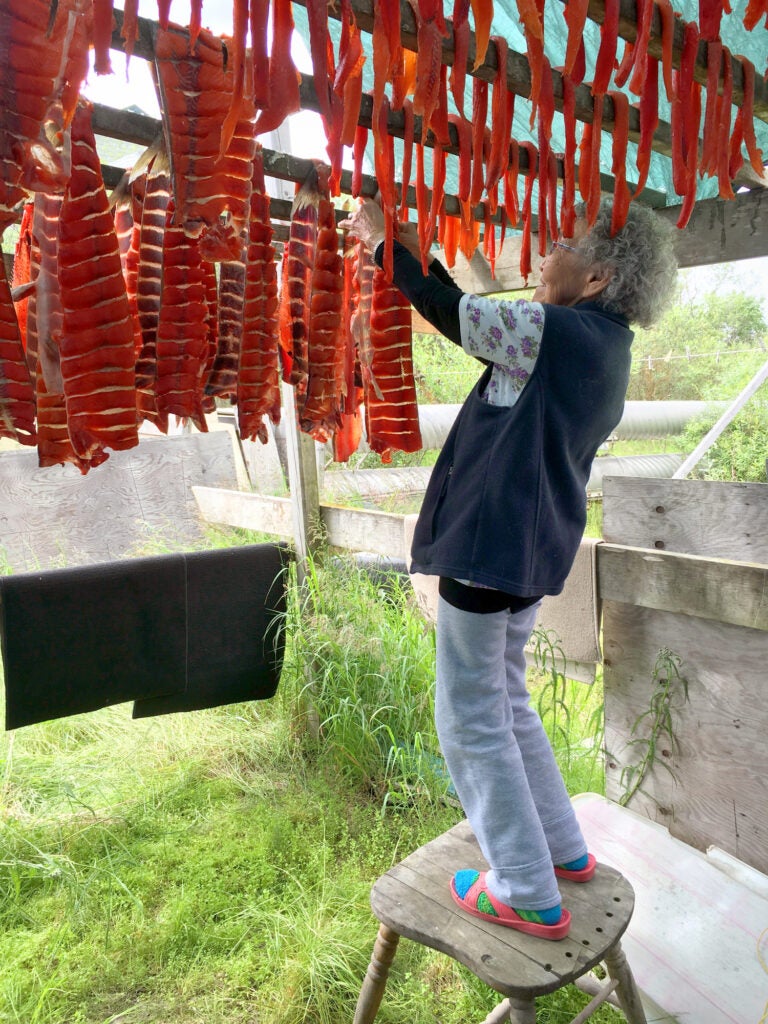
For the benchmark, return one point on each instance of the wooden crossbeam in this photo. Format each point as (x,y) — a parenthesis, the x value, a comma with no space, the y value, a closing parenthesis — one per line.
(395,126)
(518,80)
(143,130)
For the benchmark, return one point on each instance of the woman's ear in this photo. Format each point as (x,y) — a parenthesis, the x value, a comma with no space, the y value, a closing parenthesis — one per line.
(598,278)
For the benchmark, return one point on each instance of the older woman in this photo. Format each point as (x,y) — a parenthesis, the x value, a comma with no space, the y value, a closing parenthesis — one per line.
(501,522)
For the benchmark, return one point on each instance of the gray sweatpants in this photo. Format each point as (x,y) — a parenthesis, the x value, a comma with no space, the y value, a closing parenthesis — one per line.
(499,755)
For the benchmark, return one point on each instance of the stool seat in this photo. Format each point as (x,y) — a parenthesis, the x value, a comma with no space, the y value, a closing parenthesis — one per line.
(413,899)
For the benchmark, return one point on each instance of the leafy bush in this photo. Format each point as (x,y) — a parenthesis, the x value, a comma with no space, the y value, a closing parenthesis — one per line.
(703,350)
(444,373)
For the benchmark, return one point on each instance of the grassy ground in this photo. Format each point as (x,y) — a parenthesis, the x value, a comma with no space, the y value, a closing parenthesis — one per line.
(215,866)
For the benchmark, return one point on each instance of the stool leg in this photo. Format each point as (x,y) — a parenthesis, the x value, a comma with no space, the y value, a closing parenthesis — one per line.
(522,1011)
(626,993)
(375,980)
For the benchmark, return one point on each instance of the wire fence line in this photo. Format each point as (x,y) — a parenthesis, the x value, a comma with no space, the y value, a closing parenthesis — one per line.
(650,360)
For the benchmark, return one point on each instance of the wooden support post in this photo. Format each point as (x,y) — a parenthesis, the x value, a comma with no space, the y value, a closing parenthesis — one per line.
(302,481)
(305,515)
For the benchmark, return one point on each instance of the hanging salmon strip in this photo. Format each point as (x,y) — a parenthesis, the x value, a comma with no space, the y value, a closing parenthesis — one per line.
(102,36)
(347,437)
(258,379)
(182,332)
(295,295)
(149,283)
(430,32)
(483,15)
(17,397)
(360,323)
(97,344)
(222,381)
(196,90)
(320,411)
(34,51)
(282,96)
(391,415)
(461,35)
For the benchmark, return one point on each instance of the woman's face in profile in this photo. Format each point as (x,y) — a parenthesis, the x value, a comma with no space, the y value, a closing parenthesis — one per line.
(564,273)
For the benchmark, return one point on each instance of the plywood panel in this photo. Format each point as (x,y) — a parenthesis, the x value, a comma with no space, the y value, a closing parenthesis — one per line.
(57,516)
(716,788)
(694,517)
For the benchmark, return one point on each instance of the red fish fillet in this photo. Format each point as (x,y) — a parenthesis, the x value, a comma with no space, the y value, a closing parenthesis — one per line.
(97,343)
(298,260)
(34,50)
(182,333)
(49,317)
(222,382)
(196,90)
(17,397)
(149,281)
(392,420)
(320,412)
(258,379)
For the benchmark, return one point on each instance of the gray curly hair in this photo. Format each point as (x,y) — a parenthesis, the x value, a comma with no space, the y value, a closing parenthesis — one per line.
(642,258)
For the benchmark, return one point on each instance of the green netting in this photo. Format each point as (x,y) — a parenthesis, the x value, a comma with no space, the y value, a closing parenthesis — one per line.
(753,45)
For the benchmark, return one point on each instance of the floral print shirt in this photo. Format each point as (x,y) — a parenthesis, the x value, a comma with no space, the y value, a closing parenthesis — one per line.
(507,334)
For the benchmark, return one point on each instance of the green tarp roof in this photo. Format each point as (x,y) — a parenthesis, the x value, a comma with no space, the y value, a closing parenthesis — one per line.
(753,45)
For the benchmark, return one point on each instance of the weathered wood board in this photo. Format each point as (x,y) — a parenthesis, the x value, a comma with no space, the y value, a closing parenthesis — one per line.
(56,516)
(694,517)
(709,588)
(380,533)
(716,789)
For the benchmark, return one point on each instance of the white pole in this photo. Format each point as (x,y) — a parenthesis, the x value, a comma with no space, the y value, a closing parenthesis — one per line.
(709,439)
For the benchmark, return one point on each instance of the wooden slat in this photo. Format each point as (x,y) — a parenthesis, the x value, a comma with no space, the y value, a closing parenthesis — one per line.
(692,517)
(722,231)
(126,125)
(709,786)
(707,588)
(381,533)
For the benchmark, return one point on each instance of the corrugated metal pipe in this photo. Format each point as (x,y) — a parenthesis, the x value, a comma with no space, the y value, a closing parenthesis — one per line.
(640,420)
(661,419)
(372,483)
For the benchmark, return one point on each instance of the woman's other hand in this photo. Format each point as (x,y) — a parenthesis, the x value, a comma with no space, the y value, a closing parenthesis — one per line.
(366,223)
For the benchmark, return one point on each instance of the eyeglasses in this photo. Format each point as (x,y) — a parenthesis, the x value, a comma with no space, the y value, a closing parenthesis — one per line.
(561,245)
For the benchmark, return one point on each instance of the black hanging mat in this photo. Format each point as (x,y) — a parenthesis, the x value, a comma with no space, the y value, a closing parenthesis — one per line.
(173,633)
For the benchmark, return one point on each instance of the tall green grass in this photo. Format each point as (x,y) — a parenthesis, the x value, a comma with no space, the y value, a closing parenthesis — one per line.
(216,866)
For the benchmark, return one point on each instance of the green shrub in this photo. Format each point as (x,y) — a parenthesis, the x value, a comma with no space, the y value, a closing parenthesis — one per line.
(741,451)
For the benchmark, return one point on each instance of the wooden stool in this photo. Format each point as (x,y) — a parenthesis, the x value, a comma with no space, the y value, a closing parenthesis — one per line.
(413,899)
